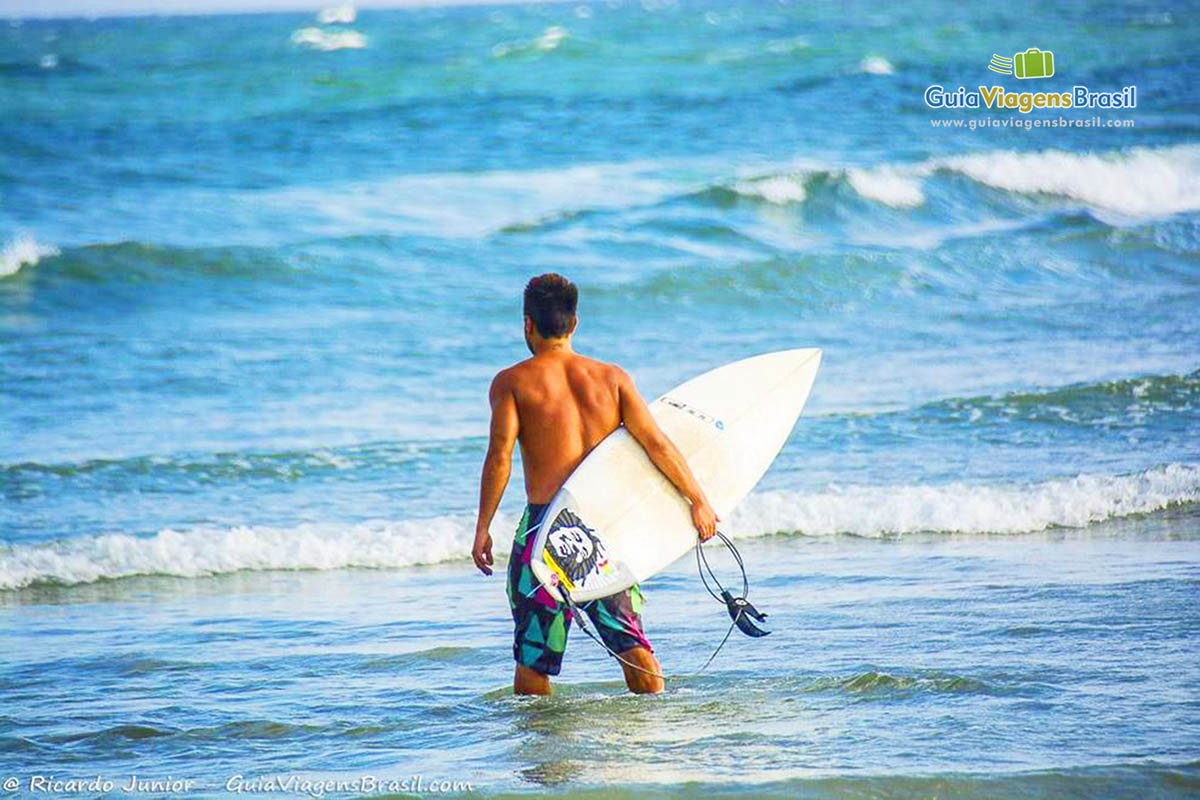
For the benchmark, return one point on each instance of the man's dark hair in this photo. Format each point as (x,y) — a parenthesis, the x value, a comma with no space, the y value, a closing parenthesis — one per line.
(551,300)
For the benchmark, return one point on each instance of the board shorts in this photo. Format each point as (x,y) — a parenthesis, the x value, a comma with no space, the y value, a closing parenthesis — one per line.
(541,623)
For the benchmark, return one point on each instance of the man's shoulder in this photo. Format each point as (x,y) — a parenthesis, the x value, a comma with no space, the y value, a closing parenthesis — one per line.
(507,378)
(514,374)
(614,371)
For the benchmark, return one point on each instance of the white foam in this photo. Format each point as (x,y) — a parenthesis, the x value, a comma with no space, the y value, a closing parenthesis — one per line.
(876,65)
(334,15)
(1129,185)
(863,510)
(779,189)
(211,551)
(1139,182)
(23,251)
(966,508)
(552,37)
(897,186)
(1136,183)
(319,39)
(887,185)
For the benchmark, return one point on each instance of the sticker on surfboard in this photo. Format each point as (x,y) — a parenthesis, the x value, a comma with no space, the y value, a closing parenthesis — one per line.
(574,552)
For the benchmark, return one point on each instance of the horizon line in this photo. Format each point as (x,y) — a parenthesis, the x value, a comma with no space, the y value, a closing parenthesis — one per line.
(236,8)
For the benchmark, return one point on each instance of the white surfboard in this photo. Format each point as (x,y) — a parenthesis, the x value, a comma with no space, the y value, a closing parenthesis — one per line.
(617,520)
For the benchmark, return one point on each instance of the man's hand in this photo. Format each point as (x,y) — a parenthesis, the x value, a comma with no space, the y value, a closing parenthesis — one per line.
(705,518)
(481,552)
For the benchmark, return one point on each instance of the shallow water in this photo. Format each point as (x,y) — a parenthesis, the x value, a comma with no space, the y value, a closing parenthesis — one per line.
(1050,664)
(252,292)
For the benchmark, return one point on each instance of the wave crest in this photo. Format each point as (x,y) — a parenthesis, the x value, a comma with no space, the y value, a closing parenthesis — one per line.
(202,552)
(1137,182)
(863,510)
(23,251)
(878,511)
(320,39)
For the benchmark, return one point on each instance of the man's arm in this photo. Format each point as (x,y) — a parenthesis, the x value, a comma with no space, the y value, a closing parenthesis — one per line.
(497,467)
(662,451)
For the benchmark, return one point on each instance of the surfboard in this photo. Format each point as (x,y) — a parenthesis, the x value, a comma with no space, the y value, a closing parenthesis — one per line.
(617,520)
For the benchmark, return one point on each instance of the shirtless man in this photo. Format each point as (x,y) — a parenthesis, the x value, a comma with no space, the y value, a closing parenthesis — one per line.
(559,405)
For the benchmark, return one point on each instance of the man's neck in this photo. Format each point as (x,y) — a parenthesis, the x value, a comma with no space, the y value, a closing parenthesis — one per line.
(545,346)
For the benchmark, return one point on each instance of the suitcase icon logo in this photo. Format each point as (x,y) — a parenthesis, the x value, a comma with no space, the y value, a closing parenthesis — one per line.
(1033,63)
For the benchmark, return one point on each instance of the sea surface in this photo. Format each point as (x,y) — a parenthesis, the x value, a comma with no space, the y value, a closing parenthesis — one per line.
(256,273)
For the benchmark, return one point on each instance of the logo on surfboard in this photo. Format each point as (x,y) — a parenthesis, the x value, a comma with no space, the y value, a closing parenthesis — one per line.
(695,412)
(573,550)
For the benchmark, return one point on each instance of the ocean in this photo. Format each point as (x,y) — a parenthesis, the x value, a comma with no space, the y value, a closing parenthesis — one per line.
(257,271)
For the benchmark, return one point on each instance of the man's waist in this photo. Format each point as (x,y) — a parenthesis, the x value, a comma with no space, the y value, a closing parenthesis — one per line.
(535,511)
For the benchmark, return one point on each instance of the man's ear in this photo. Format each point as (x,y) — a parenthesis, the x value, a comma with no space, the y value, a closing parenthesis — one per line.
(574,325)
(528,325)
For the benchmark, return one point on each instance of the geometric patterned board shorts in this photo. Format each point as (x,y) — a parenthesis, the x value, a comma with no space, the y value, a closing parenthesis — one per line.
(541,623)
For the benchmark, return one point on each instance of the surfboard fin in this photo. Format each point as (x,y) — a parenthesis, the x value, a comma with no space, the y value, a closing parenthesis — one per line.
(744,615)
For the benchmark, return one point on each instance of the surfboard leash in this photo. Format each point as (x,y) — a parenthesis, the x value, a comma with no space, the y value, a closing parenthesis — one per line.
(740,610)
(743,614)
(581,618)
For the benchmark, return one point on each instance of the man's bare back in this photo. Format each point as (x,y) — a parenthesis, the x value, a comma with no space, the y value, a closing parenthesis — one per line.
(565,404)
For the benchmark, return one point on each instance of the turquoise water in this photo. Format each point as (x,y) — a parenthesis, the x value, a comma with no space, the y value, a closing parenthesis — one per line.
(256,273)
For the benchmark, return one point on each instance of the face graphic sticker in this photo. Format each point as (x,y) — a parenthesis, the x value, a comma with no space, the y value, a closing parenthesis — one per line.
(574,543)
(574,547)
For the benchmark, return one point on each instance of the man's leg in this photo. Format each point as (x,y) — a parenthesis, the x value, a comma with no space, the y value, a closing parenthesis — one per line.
(539,623)
(640,682)
(530,681)
(618,618)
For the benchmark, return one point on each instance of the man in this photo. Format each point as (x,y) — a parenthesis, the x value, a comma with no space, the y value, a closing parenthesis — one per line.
(559,405)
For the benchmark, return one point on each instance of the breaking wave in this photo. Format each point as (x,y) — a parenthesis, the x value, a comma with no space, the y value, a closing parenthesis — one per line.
(1117,187)
(877,511)
(23,251)
(321,39)
(1137,182)
(862,510)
